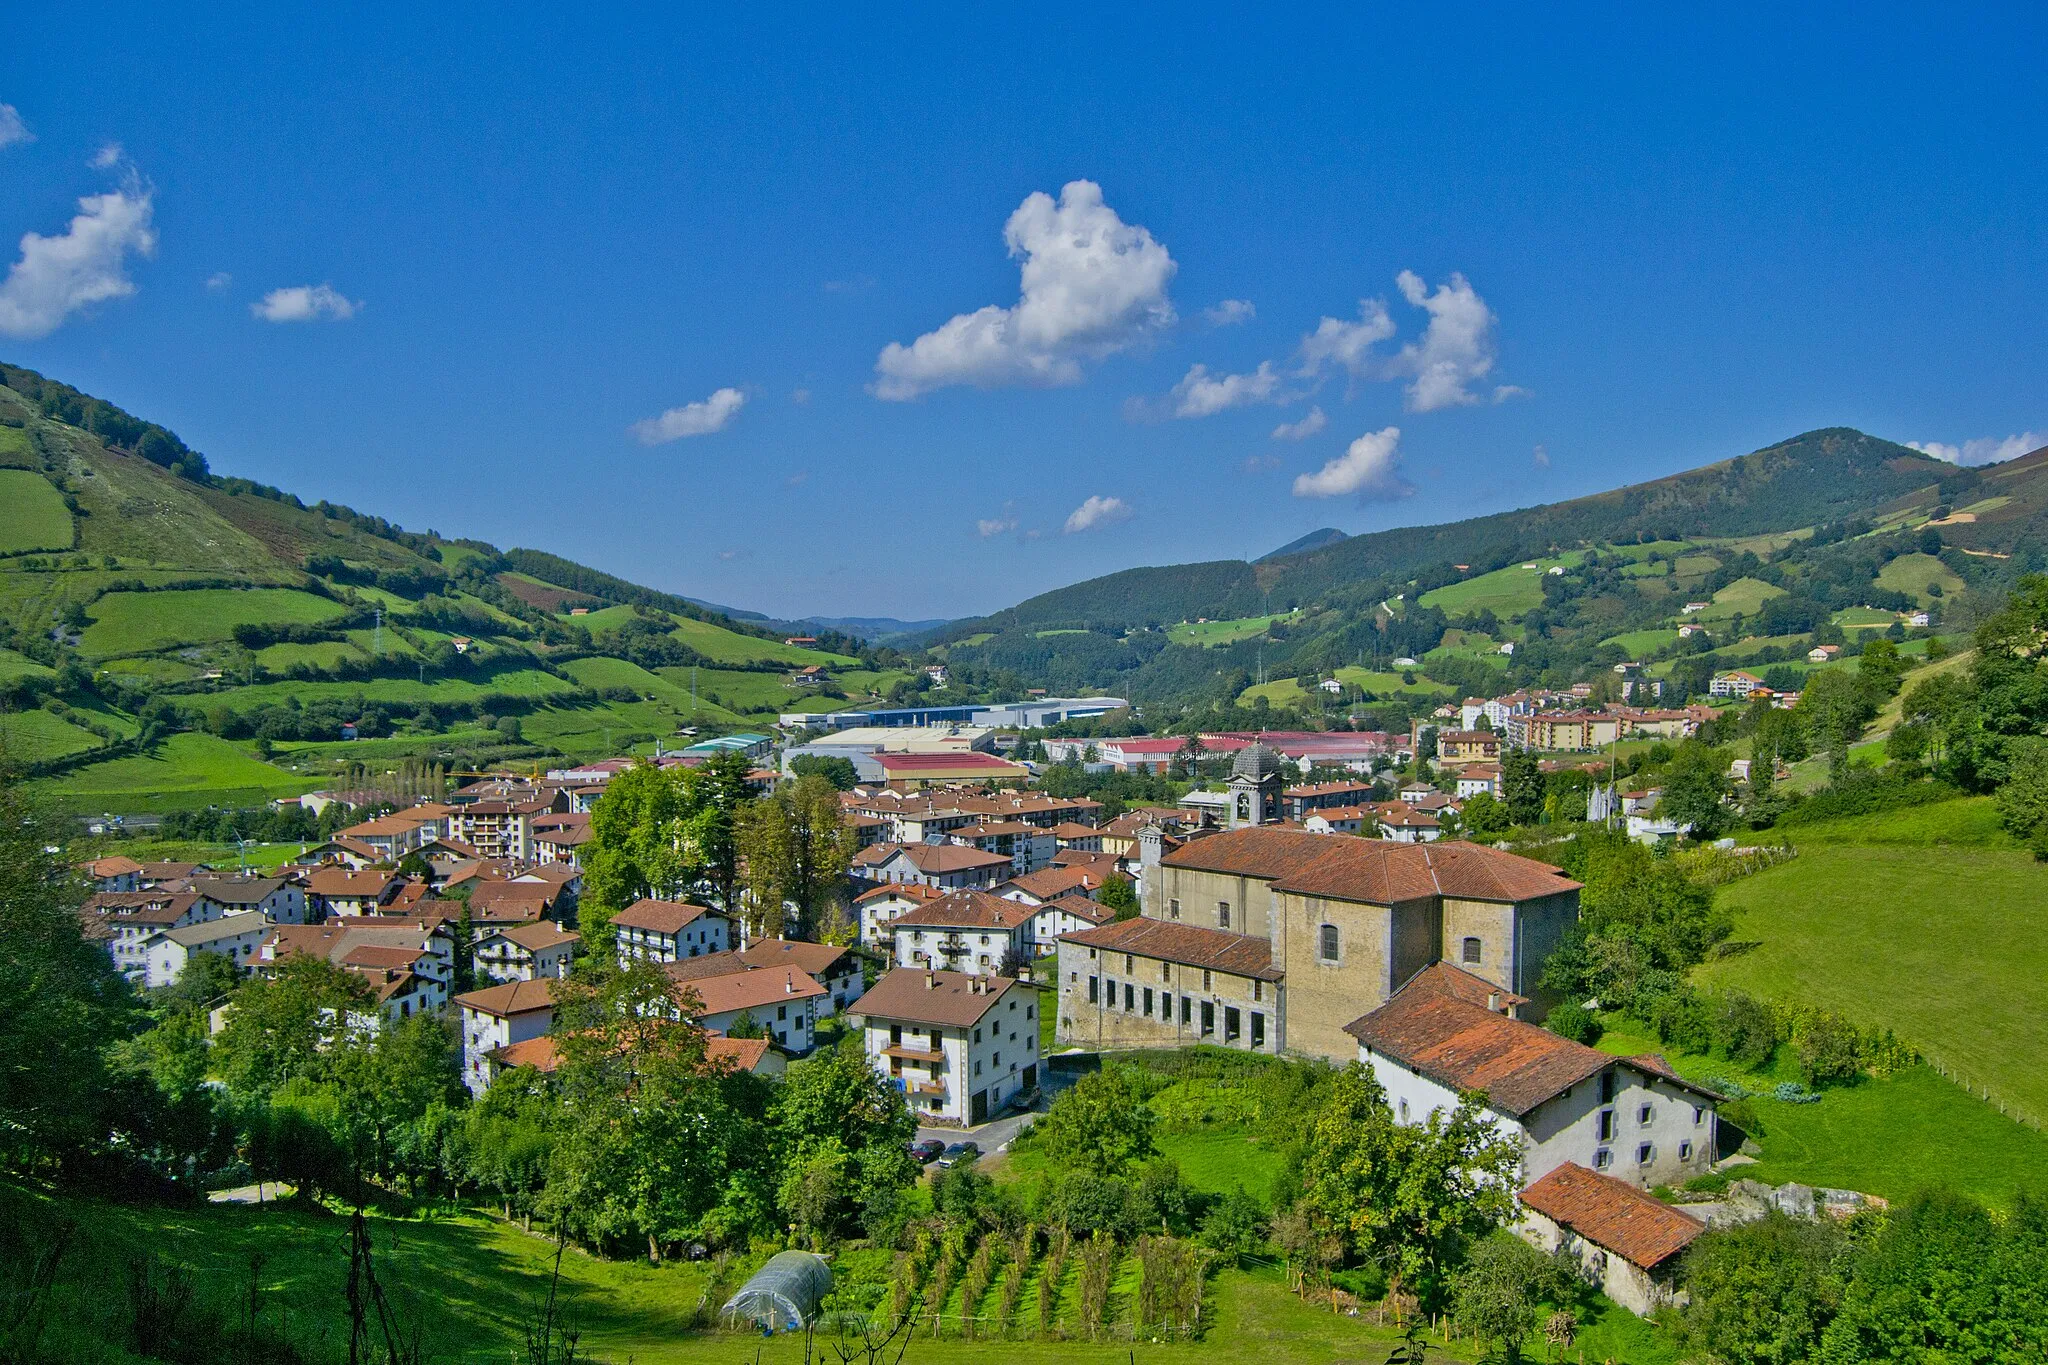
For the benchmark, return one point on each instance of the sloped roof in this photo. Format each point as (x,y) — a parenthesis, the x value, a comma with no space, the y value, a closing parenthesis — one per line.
(1080,907)
(1188,944)
(539,936)
(513,997)
(660,917)
(914,891)
(1617,1217)
(936,859)
(1050,883)
(1375,871)
(966,909)
(236,891)
(948,998)
(1442,978)
(339,881)
(1463,1046)
(817,959)
(752,990)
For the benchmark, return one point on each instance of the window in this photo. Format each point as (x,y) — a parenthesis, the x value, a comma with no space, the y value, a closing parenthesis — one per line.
(1473,954)
(1093,983)
(1602,1159)
(1205,980)
(1685,1151)
(1030,1011)
(1643,1116)
(1130,998)
(1326,943)
(1606,1125)
(1173,908)
(1222,914)
(977,1035)
(1258,1029)
(1607,1086)
(977,1068)
(1258,990)
(1230,1023)
(1165,1007)
(1208,1018)
(999,1059)
(1404,1111)
(782,1011)
(1127,962)
(1187,1007)
(1643,1154)
(1166,971)
(1699,1114)
(984,940)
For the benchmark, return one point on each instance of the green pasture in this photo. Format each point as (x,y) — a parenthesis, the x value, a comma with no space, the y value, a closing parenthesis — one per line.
(17,665)
(1945,948)
(322,654)
(725,646)
(1912,573)
(185,771)
(32,736)
(1504,592)
(32,512)
(512,681)
(137,622)
(1221,632)
(1744,597)
(1863,618)
(1639,644)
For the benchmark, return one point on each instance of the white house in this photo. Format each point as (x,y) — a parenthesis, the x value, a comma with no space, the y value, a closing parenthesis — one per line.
(1066,915)
(497,1016)
(836,969)
(670,931)
(124,921)
(281,900)
(1479,777)
(783,1002)
(115,873)
(235,937)
(1626,1240)
(880,907)
(948,867)
(1735,684)
(1448,1032)
(967,931)
(525,952)
(958,1046)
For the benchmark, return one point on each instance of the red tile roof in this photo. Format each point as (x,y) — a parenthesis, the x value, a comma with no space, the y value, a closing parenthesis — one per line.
(1188,944)
(1617,1217)
(513,997)
(750,990)
(1463,1046)
(1050,883)
(954,999)
(910,891)
(660,917)
(817,959)
(1375,871)
(966,909)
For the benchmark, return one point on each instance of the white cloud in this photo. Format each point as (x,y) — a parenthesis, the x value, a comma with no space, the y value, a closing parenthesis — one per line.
(1201,394)
(691,419)
(1091,285)
(12,129)
(1348,344)
(1370,467)
(219,279)
(1503,392)
(304,303)
(106,158)
(1098,511)
(1302,430)
(1542,458)
(1230,312)
(1983,450)
(1260,464)
(988,527)
(57,275)
(1456,348)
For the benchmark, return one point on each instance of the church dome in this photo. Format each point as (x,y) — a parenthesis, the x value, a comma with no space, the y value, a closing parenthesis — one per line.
(1256,763)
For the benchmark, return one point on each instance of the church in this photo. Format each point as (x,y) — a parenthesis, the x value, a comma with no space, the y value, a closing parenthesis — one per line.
(1273,939)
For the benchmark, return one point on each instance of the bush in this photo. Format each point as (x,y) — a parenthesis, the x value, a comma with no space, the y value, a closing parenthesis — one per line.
(1574,1021)
(1826,1049)
(1743,1115)
(1746,1030)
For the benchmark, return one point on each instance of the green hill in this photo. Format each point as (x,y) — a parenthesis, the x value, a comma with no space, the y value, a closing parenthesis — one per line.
(211,636)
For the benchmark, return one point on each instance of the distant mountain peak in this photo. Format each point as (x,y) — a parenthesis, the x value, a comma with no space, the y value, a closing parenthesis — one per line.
(1314,540)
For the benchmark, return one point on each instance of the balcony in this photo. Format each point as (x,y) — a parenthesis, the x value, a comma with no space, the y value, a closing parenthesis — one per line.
(904,1052)
(936,1089)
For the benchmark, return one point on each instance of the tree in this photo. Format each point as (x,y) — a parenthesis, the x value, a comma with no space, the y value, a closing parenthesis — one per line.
(1695,784)
(839,772)
(302,1022)
(796,849)
(1408,1197)
(2023,799)
(650,835)
(1927,1288)
(1499,1287)
(1521,785)
(1763,1292)
(1120,895)
(1835,706)
(1485,816)
(61,1000)
(1101,1124)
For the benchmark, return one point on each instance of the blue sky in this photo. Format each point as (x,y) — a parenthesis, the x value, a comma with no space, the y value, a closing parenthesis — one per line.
(627,290)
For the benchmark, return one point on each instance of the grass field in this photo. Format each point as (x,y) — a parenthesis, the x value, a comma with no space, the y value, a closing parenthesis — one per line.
(716,642)
(185,772)
(513,681)
(1863,618)
(467,1283)
(1744,596)
(1223,632)
(32,514)
(31,736)
(1890,1137)
(15,665)
(1948,954)
(1288,691)
(1504,592)
(1967,822)
(321,654)
(136,622)
(1912,574)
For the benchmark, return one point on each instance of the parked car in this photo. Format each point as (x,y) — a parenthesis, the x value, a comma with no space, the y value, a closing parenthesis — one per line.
(959,1154)
(927,1151)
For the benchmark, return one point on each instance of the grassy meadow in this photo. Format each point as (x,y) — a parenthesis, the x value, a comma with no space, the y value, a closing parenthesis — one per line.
(32,514)
(136,622)
(1505,592)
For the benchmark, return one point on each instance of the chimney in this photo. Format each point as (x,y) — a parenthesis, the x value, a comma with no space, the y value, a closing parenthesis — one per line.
(931,982)
(789,983)
(1493,1001)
